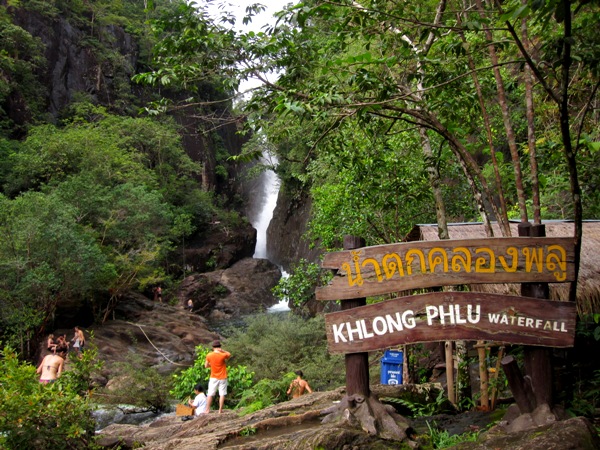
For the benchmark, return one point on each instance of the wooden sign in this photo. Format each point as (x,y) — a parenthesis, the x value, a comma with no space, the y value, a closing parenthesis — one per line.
(389,268)
(442,316)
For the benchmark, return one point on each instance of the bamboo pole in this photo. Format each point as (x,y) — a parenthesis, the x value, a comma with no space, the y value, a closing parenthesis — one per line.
(450,373)
(483,376)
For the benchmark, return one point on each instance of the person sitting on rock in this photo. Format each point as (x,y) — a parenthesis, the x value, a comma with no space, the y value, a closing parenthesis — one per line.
(62,344)
(51,345)
(199,403)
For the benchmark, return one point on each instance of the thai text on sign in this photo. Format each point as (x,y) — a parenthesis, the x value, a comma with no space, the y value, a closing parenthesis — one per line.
(442,316)
(397,267)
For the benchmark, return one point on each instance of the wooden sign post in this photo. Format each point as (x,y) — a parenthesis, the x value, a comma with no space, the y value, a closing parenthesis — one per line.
(389,268)
(443,316)
(357,362)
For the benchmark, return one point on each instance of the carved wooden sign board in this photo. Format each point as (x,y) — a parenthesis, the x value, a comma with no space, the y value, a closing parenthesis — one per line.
(444,316)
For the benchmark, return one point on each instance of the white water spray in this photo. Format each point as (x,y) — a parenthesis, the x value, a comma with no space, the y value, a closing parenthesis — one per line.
(269,192)
(269,184)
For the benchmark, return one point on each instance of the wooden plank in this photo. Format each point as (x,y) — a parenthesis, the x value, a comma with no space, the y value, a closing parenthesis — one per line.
(383,269)
(442,316)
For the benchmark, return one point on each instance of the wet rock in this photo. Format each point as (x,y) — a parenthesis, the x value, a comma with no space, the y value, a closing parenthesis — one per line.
(243,288)
(293,425)
(163,336)
(571,434)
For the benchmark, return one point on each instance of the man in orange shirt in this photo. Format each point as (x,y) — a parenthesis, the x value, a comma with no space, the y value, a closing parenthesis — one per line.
(218,375)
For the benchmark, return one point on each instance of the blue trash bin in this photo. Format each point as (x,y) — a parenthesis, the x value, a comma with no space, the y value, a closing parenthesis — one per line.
(391,367)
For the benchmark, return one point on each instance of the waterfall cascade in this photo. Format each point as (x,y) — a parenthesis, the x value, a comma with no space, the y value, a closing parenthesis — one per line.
(269,190)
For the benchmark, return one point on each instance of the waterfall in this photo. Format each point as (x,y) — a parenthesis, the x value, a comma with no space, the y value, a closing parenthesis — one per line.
(269,191)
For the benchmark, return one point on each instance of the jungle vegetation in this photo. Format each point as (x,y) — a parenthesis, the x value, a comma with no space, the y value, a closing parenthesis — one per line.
(385,114)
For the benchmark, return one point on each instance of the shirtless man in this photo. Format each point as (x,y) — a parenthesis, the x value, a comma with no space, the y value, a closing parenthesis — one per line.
(79,340)
(51,367)
(298,386)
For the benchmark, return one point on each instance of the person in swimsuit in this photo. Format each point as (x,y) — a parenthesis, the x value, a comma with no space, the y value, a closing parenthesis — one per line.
(51,345)
(51,367)
(298,386)
(78,340)
(62,344)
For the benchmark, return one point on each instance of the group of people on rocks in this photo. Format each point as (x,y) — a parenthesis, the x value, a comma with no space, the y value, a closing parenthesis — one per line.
(217,361)
(53,364)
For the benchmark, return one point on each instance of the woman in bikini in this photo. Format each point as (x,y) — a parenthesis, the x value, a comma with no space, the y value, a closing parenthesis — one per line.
(51,367)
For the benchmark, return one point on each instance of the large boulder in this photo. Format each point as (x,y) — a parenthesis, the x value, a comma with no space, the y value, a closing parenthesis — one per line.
(286,242)
(219,247)
(293,425)
(164,336)
(244,288)
(572,434)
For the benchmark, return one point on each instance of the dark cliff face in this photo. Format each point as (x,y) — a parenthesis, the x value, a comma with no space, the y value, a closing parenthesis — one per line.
(95,63)
(285,236)
(98,63)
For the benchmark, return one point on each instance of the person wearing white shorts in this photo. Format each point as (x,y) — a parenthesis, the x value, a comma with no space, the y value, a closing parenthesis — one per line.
(216,360)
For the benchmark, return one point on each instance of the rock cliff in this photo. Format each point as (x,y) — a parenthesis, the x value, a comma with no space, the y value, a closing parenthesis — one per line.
(286,242)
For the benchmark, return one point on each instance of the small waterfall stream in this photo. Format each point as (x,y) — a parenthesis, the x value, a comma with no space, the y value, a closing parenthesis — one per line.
(269,189)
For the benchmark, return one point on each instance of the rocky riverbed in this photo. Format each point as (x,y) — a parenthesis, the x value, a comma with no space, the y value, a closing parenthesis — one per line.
(299,425)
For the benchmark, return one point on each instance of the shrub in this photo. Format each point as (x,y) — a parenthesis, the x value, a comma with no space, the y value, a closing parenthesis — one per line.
(138,385)
(34,415)
(82,369)
(272,345)
(265,393)
(442,439)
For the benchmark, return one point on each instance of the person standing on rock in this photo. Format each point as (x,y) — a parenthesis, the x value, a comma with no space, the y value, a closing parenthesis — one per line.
(298,386)
(190,305)
(216,360)
(51,367)
(78,340)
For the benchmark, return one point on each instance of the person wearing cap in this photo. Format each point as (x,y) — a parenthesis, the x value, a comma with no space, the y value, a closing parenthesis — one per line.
(216,360)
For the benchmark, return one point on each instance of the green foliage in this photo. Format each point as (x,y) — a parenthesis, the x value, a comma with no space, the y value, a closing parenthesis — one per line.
(272,345)
(586,398)
(588,326)
(442,439)
(299,286)
(34,415)
(427,408)
(265,393)
(136,384)
(82,369)
(247,431)
(95,206)
(45,254)
(238,378)
(21,56)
